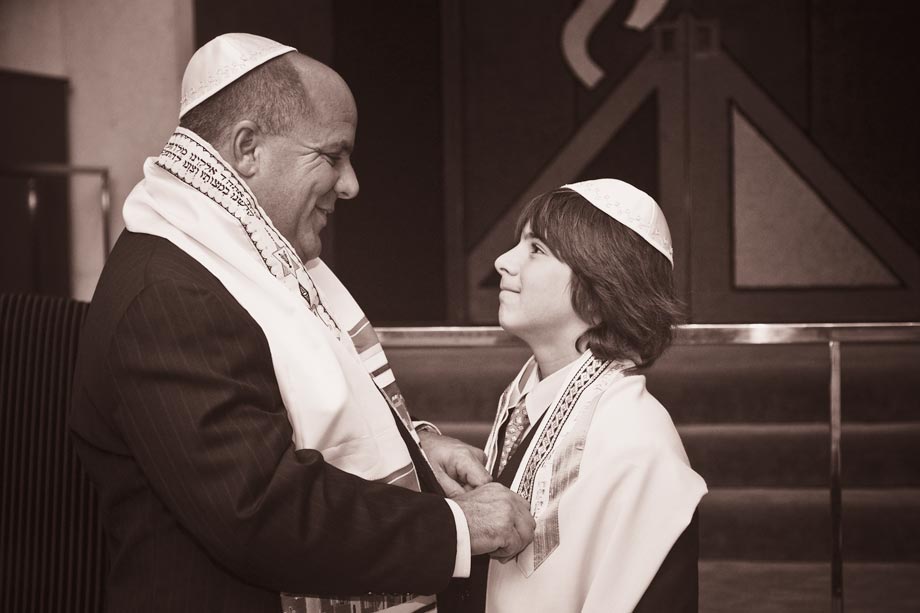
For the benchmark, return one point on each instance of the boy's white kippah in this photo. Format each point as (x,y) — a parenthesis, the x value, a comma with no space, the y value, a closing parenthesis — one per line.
(631,207)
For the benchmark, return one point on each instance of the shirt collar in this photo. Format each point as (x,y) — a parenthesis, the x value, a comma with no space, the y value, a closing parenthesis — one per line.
(542,393)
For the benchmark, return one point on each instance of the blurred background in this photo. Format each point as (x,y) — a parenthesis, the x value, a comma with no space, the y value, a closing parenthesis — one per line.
(781,138)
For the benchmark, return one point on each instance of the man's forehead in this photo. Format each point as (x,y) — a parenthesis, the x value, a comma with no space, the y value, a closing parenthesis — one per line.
(332,127)
(329,138)
(331,99)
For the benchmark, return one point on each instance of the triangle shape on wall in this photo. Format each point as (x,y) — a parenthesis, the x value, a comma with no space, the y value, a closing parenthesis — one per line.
(785,235)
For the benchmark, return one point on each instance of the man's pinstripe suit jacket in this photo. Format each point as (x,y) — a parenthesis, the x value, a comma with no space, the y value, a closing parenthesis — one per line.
(206,505)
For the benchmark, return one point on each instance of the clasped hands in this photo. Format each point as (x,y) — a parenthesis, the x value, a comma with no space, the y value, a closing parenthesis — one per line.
(499,520)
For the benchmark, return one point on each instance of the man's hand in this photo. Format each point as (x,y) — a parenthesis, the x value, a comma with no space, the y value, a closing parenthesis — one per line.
(499,520)
(459,467)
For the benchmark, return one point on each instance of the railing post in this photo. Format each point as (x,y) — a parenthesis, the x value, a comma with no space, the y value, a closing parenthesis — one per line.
(836,495)
(34,248)
(105,200)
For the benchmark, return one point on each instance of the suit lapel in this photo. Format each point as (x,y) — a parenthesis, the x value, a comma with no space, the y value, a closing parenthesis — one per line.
(426,479)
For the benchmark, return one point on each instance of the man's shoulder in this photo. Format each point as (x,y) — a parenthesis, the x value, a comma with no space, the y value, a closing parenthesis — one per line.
(140,262)
(151,259)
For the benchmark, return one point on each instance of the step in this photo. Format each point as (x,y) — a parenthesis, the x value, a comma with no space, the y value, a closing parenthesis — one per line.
(782,455)
(732,383)
(733,586)
(455,384)
(797,455)
(776,383)
(793,524)
(697,384)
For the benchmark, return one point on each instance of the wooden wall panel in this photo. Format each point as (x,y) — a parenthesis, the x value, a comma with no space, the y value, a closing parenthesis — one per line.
(866,104)
(35,254)
(390,240)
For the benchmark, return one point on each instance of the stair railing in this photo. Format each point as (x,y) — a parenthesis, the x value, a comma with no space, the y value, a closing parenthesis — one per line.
(32,171)
(829,334)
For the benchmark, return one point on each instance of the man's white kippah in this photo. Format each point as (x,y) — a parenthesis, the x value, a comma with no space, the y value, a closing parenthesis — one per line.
(222,61)
(631,207)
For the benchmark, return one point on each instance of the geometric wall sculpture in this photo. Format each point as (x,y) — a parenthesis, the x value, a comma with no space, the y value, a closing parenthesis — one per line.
(785,235)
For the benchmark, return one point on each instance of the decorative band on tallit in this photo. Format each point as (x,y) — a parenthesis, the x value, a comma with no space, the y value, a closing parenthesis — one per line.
(194,164)
(407,603)
(368,346)
(566,465)
(404,477)
(543,446)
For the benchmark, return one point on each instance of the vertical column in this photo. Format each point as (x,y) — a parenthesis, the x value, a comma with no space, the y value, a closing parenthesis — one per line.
(105,205)
(454,195)
(671,58)
(836,502)
(35,251)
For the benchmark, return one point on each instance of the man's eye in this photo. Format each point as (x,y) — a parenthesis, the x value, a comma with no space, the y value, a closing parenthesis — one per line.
(535,248)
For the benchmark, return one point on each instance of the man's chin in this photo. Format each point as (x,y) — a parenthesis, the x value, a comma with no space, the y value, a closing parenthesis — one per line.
(310,251)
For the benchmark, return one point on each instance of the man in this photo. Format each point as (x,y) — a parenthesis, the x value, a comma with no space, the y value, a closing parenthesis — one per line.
(216,338)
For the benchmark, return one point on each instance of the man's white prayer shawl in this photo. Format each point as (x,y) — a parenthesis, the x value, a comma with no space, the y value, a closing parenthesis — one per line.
(610,487)
(195,200)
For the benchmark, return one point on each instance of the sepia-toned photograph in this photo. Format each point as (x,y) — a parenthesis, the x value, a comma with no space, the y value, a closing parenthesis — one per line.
(331,306)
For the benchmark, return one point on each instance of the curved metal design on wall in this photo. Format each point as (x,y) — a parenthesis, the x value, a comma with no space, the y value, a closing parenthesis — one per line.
(582,22)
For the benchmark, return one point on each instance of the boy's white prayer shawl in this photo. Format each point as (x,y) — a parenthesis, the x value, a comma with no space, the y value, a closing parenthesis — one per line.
(610,487)
(195,200)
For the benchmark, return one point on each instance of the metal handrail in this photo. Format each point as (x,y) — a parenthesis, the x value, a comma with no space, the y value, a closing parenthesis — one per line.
(31,171)
(691,334)
(721,334)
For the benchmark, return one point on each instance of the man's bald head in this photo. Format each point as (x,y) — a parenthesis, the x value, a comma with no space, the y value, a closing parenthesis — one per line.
(274,95)
(321,83)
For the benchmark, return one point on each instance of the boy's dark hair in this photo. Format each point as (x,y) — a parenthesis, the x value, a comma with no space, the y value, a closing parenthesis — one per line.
(621,285)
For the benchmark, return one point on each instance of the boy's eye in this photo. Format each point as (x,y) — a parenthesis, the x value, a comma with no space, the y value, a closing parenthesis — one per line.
(536,248)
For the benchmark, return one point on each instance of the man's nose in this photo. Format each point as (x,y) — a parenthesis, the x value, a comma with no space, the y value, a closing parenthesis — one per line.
(347,186)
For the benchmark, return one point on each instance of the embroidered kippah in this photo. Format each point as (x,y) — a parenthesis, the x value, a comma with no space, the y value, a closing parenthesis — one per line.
(222,61)
(631,207)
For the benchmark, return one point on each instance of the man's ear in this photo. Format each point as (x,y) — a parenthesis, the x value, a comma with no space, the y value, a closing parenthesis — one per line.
(244,148)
